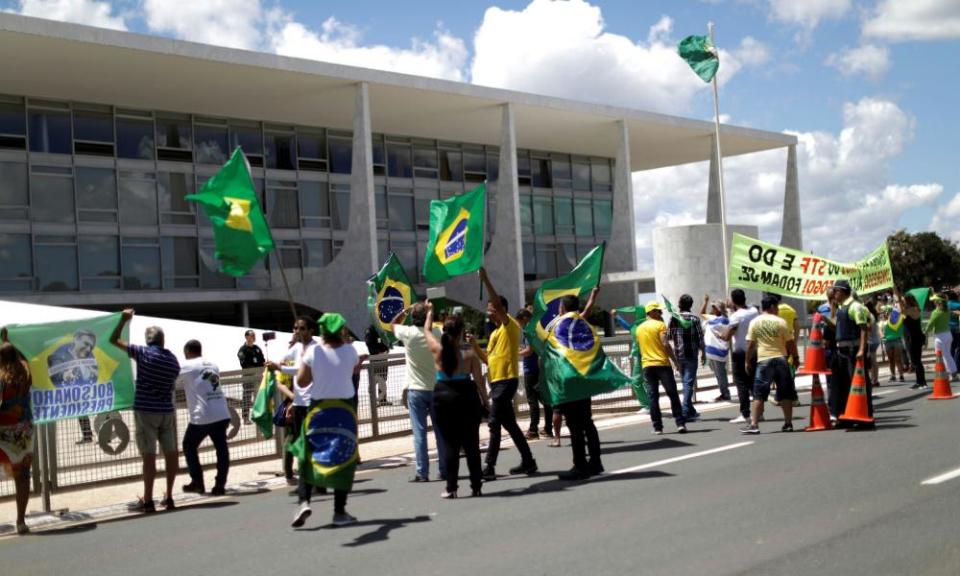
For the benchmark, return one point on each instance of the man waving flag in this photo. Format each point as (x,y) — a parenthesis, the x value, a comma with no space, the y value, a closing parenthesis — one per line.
(389,292)
(456,236)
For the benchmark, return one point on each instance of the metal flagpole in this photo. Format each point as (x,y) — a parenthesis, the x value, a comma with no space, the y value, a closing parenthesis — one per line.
(286,285)
(723,207)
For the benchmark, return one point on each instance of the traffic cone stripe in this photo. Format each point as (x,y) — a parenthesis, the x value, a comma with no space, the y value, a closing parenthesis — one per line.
(941,382)
(857,402)
(819,416)
(815,359)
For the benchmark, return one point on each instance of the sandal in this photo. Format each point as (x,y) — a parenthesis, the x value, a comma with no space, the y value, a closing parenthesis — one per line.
(22,528)
(142,506)
(554,444)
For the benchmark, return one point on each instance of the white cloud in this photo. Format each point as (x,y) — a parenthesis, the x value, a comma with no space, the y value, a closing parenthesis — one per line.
(808,13)
(89,12)
(944,220)
(900,20)
(869,60)
(231,23)
(848,204)
(444,57)
(752,52)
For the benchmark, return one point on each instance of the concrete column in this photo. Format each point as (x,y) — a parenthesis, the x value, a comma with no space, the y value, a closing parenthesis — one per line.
(791,234)
(713,187)
(621,255)
(244,314)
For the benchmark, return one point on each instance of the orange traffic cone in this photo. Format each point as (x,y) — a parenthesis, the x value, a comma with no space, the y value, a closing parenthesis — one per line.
(819,416)
(815,361)
(941,382)
(857,400)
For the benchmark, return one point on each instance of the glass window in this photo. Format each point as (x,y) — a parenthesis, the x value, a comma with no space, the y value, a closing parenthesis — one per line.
(317,253)
(138,198)
(282,209)
(341,155)
(93,126)
(314,204)
(474,161)
(141,264)
(50,132)
(248,138)
(523,166)
(211,144)
(407,254)
(563,215)
(540,173)
(380,205)
(174,133)
(581,175)
(602,217)
(180,262)
(601,174)
(401,212)
(12,120)
(51,198)
(421,208)
(451,166)
(493,167)
(379,157)
(567,258)
(97,194)
(290,255)
(340,206)
(171,189)
(311,145)
(529,261)
(526,214)
(543,215)
(561,169)
(56,265)
(281,151)
(546,262)
(14,198)
(100,262)
(135,138)
(210,277)
(398,161)
(425,158)
(16,267)
(583,216)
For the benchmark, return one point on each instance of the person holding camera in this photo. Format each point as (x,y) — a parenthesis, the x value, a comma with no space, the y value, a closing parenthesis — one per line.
(250,356)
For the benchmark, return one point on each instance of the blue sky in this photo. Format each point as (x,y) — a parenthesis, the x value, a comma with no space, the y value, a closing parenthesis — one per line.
(866,84)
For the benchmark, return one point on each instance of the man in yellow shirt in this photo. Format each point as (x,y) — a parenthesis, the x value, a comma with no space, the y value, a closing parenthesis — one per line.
(657,356)
(773,342)
(502,358)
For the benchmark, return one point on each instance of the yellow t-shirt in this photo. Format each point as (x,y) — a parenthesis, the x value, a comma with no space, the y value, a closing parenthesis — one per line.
(503,352)
(787,312)
(771,335)
(652,349)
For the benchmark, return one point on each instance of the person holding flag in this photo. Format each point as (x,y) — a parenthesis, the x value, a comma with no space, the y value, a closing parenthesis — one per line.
(636,371)
(893,340)
(652,339)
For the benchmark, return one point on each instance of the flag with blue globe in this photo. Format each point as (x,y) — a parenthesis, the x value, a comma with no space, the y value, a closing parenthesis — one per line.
(389,291)
(327,446)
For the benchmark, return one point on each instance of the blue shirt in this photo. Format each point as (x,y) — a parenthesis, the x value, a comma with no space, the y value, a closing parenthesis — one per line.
(530,364)
(157,372)
(954,320)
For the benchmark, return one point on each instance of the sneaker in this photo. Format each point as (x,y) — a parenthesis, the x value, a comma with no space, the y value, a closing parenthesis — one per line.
(788,427)
(532,435)
(681,430)
(448,494)
(750,430)
(419,478)
(596,468)
(193,487)
(143,507)
(894,379)
(901,377)
(915,387)
(739,420)
(343,519)
(218,491)
(574,474)
(301,516)
(693,418)
(476,493)
(643,412)
(168,504)
(527,468)
(657,432)
(488,473)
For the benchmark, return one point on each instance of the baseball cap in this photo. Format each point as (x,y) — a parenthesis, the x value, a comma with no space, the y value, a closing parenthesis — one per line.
(651,306)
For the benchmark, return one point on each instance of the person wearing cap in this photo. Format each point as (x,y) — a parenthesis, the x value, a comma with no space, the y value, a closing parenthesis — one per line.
(939,326)
(652,339)
(715,348)
(852,320)
(250,356)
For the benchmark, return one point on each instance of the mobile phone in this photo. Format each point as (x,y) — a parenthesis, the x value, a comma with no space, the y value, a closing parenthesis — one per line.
(268,336)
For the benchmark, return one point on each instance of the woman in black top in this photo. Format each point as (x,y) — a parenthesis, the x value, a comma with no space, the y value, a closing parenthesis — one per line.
(914,334)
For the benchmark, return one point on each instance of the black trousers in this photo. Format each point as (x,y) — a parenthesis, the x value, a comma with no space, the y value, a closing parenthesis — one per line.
(579,418)
(503,416)
(916,358)
(743,381)
(193,436)
(531,385)
(844,366)
(457,403)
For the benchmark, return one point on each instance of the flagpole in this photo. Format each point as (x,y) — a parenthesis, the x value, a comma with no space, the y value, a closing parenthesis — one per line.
(719,159)
(286,286)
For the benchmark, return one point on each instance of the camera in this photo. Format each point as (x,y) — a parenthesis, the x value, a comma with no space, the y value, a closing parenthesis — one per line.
(268,336)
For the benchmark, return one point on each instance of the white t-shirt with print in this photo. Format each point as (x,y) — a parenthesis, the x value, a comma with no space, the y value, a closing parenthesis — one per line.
(200,381)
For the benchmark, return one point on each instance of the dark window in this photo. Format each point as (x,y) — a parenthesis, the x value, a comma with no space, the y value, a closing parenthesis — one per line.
(16,267)
(542,215)
(141,264)
(474,161)
(180,263)
(317,253)
(311,145)
(561,170)
(581,175)
(56,264)
(290,255)
(379,157)
(422,212)
(529,261)
(583,216)
(138,199)
(567,258)
(172,187)
(407,254)
(563,215)
(425,161)
(341,155)
(601,175)
(12,120)
(314,205)
(211,144)
(340,205)
(250,140)
(51,198)
(546,262)
(281,151)
(602,217)
(14,198)
(398,161)
(493,167)
(210,277)
(540,173)
(282,211)
(526,214)
(97,194)
(135,138)
(401,212)
(174,133)
(451,166)
(93,133)
(523,170)
(100,262)
(380,206)
(50,132)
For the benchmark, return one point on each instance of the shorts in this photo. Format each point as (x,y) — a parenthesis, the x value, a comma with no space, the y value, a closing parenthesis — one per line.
(770,371)
(890,345)
(153,427)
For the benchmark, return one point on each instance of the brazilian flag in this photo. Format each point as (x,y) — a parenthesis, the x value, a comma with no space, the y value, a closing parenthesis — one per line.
(230,202)
(389,291)
(700,53)
(574,364)
(263,404)
(327,448)
(456,236)
(636,373)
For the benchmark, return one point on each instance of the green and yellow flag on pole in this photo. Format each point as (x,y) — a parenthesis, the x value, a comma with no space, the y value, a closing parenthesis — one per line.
(456,236)
(389,292)
(700,53)
(263,404)
(239,228)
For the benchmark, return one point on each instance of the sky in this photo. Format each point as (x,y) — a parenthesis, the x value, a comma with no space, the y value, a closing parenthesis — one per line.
(865,85)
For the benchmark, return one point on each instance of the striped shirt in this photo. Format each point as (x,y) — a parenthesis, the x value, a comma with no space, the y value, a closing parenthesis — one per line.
(157,372)
(687,342)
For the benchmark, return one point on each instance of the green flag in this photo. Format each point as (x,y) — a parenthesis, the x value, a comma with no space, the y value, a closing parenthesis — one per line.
(327,446)
(263,404)
(700,53)
(456,236)
(684,323)
(76,370)
(389,292)
(239,229)
(921,295)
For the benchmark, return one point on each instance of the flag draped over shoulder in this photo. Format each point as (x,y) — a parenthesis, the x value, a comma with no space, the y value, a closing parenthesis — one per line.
(456,236)
(684,323)
(239,228)
(327,446)
(700,53)
(389,292)
(546,302)
(262,412)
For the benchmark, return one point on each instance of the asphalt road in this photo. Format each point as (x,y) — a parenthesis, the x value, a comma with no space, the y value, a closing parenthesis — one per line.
(709,502)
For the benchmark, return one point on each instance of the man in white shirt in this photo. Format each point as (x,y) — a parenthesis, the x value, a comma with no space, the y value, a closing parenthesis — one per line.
(737,331)
(421,379)
(209,416)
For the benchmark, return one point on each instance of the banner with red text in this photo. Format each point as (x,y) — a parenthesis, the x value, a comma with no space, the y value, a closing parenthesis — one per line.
(796,274)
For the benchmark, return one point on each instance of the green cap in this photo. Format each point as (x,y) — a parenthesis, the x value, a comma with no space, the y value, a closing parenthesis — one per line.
(331,323)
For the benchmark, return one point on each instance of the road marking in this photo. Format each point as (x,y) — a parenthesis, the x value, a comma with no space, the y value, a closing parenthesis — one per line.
(942,478)
(682,458)
(884,392)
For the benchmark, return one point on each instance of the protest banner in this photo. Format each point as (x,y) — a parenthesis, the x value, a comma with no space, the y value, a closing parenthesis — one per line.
(796,274)
(76,370)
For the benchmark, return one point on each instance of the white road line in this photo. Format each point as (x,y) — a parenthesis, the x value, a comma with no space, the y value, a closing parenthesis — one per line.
(682,458)
(942,478)
(884,392)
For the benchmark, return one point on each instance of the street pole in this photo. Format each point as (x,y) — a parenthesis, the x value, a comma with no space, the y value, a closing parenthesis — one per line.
(719,159)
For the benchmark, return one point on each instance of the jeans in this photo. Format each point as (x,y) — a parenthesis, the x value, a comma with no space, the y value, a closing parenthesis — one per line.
(192,438)
(688,372)
(655,376)
(503,416)
(531,385)
(743,381)
(420,404)
(458,416)
(579,419)
(719,368)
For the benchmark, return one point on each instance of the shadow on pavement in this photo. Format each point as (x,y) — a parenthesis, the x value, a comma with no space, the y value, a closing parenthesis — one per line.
(662,444)
(899,401)
(381,533)
(557,485)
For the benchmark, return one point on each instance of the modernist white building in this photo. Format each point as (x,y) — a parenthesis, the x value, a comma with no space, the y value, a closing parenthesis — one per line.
(102,133)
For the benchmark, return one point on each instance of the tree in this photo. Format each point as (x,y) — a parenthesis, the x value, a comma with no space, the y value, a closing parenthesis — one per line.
(923,259)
